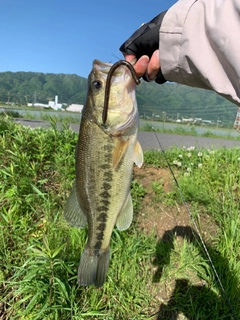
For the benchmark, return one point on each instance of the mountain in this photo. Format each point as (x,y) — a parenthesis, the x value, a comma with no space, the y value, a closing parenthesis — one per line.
(24,87)
(174,101)
(168,101)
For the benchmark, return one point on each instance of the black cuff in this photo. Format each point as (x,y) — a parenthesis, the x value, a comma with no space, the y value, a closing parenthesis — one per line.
(160,78)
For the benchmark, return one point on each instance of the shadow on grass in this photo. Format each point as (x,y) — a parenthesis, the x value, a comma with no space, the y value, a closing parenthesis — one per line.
(197,301)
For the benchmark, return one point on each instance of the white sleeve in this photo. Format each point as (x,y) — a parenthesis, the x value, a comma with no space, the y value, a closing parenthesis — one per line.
(200,45)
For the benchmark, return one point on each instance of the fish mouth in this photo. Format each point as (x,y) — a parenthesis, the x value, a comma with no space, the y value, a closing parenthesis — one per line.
(122,71)
(102,67)
(119,110)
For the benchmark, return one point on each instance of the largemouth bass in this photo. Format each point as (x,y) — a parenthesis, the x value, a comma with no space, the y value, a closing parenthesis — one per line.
(105,153)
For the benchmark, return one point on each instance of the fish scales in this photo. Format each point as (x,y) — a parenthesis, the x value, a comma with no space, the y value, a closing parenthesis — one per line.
(104,160)
(103,180)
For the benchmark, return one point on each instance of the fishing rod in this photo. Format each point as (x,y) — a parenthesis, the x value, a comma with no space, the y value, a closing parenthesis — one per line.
(198,231)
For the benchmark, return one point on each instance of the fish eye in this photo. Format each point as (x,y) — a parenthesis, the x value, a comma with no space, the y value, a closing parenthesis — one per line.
(97,84)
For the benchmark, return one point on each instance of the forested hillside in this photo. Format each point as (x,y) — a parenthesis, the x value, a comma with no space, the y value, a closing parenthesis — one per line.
(24,87)
(175,101)
(168,101)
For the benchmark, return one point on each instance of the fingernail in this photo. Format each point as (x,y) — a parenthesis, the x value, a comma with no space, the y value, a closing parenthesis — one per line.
(156,53)
(144,61)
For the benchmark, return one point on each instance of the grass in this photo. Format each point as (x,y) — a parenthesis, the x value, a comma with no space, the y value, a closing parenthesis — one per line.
(186,130)
(39,251)
(60,117)
(71,117)
(42,114)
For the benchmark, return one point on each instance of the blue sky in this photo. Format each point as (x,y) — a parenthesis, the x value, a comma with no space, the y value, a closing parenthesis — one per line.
(53,36)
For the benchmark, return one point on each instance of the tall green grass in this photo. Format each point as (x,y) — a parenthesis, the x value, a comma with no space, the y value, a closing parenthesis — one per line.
(39,251)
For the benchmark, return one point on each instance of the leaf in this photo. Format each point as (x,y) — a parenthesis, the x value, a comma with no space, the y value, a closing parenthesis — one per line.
(55,253)
(39,253)
(38,191)
(62,287)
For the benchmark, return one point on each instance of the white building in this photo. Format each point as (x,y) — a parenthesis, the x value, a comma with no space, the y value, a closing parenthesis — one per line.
(54,104)
(75,107)
(51,104)
(37,104)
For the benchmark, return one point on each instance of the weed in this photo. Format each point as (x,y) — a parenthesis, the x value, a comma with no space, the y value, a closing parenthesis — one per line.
(157,188)
(10,113)
(39,252)
(154,159)
(137,192)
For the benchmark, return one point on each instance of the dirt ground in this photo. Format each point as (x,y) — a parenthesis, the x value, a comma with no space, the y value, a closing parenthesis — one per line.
(159,216)
(166,219)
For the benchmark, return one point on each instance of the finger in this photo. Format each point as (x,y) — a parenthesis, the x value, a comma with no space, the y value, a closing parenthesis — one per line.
(153,65)
(130,57)
(141,64)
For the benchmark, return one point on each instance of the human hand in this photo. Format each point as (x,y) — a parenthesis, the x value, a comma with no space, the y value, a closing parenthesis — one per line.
(143,45)
(146,66)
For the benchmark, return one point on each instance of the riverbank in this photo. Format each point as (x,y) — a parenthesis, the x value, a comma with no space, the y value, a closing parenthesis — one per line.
(151,140)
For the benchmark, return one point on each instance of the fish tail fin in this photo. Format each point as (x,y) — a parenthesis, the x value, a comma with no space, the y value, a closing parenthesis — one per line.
(93,268)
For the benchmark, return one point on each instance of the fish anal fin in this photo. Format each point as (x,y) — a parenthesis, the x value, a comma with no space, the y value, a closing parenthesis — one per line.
(125,217)
(138,154)
(72,211)
(119,151)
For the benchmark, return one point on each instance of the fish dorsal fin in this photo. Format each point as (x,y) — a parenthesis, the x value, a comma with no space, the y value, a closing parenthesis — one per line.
(138,154)
(125,217)
(72,211)
(119,151)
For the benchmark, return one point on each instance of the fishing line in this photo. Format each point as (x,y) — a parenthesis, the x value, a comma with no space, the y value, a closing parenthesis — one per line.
(197,229)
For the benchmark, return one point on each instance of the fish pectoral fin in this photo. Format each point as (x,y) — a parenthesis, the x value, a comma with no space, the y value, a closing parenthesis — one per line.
(72,211)
(125,217)
(119,151)
(138,154)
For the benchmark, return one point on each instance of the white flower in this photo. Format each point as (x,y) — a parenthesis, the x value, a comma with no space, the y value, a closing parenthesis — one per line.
(186,174)
(179,164)
(200,165)
(239,159)
(200,154)
(175,162)
(189,154)
(180,156)
(189,169)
